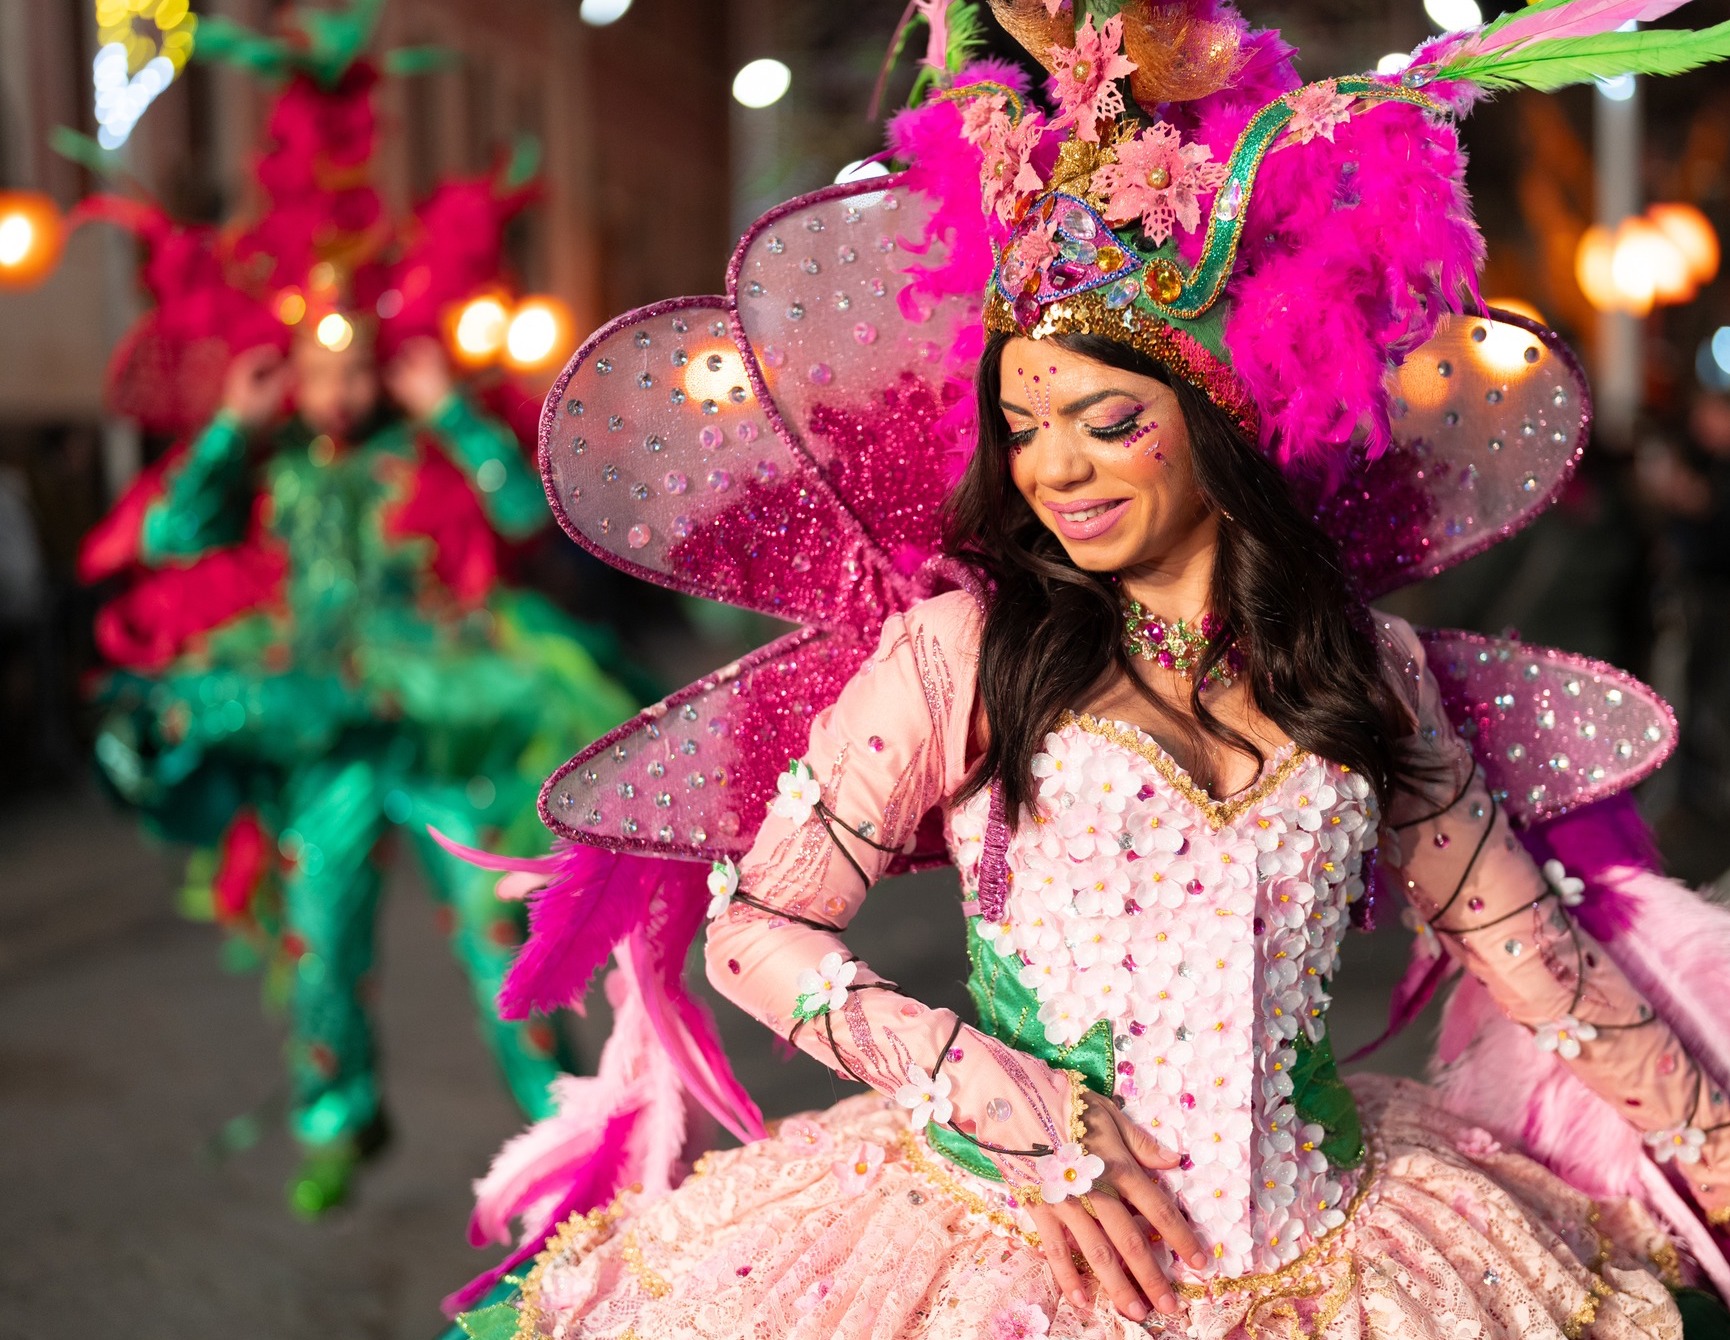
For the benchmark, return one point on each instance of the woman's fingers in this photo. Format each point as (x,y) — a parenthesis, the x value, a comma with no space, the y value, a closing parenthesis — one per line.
(1161,1209)
(1104,1257)
(1147,1151)
(1054,1242)
(1136,1252)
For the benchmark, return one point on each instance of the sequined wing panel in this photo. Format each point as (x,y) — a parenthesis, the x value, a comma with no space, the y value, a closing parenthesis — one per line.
(848,364)
(1552,730)
(776,449)
(1491,417)
(692,775)
(658,456)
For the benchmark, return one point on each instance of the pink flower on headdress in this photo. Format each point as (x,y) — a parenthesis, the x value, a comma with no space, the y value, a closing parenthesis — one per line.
(936,16)
(1160,180)
(1084,81)
(1316,110)
(1031,252)
(979,116)
(1008,173)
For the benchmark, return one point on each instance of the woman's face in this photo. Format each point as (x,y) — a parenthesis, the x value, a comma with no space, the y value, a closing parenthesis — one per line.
(1102,457)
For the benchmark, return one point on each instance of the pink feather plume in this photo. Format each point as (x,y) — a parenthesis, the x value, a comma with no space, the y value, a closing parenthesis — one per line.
(1584,18)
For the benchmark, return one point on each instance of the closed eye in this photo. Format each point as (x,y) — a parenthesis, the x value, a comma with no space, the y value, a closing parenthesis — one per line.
(1111,432)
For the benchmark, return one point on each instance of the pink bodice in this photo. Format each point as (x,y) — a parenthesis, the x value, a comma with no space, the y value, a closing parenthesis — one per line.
(1201,933)
(1204,933)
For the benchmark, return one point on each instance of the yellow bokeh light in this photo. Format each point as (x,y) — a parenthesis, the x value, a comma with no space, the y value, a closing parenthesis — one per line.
(1691,233)
(480,330)
(290,307)
(717,373)
(335,332)
(1504,346)
(17,240)
(539,334)
(32,234)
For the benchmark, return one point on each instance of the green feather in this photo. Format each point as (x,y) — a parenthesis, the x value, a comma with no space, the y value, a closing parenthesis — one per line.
(524,163)
(966,34)
(86,152)
(230,43)
(1578,60)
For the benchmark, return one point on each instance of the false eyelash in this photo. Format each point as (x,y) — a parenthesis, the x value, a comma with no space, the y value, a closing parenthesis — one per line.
(1112,432)
(1019,440)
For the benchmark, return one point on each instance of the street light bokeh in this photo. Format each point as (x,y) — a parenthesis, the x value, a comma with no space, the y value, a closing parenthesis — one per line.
(32,234)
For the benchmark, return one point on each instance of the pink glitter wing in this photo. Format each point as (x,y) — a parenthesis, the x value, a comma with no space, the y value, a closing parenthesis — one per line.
(1491,415)
(1553,730)
(777,449)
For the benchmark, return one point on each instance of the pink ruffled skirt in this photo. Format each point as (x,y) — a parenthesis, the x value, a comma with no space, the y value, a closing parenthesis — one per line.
(1453,1239)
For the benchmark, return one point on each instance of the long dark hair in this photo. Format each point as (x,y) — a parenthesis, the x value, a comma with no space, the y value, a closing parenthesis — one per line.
(1278,594)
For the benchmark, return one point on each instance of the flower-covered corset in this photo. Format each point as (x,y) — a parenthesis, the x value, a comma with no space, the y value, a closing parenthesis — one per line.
(1176,951)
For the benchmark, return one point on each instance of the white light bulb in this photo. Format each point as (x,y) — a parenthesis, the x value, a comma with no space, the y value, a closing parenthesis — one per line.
(1721,348)
(533,333)
(599,13)
(762,83)
(17,236)
(1393,62)
(1451,16)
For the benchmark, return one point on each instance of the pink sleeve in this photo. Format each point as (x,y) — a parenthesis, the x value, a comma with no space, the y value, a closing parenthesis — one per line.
(893,746)
(1473,887)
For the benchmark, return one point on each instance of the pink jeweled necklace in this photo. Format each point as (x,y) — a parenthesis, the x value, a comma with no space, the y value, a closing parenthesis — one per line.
(1177,645)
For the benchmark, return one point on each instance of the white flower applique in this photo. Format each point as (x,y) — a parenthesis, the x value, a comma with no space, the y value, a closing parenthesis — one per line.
(797,793)
(1068,1171)
(1681,1142)
(1563,1036)
(926,1098)
(824,989)
(1571,890)
(723,884)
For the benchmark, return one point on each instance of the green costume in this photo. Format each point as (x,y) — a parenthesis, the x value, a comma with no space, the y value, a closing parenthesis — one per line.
(355,693)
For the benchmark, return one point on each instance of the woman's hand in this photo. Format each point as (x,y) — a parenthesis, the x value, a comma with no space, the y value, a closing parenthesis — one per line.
(1117,1246)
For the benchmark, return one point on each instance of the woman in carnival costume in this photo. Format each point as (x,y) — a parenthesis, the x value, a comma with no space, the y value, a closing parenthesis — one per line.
(1231,380)
(311,642)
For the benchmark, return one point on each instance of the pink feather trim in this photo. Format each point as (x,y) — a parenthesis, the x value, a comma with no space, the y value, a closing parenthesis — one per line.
(1585,18)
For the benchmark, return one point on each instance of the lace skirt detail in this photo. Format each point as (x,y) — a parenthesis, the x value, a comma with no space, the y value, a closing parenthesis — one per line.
(807,1236)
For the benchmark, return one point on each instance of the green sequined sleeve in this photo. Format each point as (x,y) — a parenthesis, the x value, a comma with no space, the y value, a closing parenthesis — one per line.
(203,505)
(488,454)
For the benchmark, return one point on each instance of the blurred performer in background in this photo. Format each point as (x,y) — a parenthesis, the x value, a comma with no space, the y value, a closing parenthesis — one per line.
(311,642)
(1080,490)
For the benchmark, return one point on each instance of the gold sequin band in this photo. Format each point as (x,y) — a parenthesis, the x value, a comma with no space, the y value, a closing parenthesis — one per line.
(1078,1092)
(1218,813)
(577,1236)
(928,1168)
(1089,314)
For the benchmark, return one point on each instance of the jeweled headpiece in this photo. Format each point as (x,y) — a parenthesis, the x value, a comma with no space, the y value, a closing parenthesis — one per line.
(1282,247)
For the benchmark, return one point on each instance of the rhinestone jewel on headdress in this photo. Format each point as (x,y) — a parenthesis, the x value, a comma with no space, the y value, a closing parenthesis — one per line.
(1069,251)
(1177,645)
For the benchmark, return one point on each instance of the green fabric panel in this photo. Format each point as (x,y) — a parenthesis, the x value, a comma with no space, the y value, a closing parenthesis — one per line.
(961,1151)
(1009,1012)
(200,507)
(1321,1097)
(487,451)
(1704,1316)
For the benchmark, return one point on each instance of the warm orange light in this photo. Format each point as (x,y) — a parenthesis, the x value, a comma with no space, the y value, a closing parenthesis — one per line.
(1519,307)
(1592,269)
(1647,267)
(290,307)
(32,234)
(539,334)
(1504,345)
(1692,234)
(717,373)
(478,330)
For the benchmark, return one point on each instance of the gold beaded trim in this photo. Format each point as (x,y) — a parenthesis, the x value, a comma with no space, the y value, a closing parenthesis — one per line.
(966,1197)
(579,1235)
(1720,1217)
(631,1253)
(1583,1316)
(1218,813)
(1078,1092)
(1089,314)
